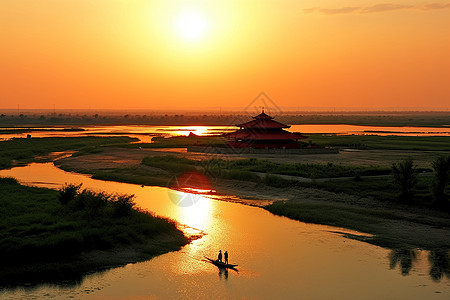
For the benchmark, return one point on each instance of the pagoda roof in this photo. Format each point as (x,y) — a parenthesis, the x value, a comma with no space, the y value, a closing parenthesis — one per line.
(264,135)
(263,121)
(263,115)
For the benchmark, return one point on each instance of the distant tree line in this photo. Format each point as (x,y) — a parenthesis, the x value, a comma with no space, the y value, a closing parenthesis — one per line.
(380,119)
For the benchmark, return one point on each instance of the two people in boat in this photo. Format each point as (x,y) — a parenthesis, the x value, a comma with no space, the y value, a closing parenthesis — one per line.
(219,257)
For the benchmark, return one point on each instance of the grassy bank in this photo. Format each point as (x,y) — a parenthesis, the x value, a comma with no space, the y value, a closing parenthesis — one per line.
(24,150)
(351,200)
(425,143)
(395,227)
(176,165)
(180,142)
(45,236)
(352,180)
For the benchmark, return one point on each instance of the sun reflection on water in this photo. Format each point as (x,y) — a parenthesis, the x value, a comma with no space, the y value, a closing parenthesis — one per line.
(197,214)
(197,220)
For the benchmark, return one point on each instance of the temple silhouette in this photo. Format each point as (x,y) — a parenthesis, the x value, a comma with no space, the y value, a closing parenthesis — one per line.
(263,133)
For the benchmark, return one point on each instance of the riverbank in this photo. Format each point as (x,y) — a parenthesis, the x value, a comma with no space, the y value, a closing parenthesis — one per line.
(44,237)
(390,224)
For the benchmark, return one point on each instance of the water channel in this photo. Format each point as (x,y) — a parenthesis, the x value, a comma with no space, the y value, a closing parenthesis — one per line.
(278,258)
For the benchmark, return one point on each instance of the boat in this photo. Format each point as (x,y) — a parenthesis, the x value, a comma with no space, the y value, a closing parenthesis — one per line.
(220,264)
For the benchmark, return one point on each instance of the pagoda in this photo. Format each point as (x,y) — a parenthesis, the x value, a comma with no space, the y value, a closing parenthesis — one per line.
(263,133)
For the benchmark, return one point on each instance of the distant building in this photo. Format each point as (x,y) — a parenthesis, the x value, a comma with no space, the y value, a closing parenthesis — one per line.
(263,133)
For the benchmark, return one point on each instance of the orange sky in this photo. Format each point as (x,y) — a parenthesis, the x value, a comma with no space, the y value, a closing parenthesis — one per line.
(127,54)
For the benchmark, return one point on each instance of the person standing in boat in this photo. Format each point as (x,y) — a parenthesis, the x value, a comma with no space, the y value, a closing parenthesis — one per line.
(219,258)
(226,257)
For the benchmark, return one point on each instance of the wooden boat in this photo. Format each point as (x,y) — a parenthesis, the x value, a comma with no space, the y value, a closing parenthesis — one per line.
(220,264)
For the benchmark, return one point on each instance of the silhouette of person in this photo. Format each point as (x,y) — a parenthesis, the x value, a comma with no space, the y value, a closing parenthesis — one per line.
(226,257)
(219,258)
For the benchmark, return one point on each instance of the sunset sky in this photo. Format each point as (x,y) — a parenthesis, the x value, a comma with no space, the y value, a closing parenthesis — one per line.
(128,54)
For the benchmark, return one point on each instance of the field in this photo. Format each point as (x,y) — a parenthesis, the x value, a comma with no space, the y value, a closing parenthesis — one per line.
(408,143)
(16,151)
(353,189)
(44,236)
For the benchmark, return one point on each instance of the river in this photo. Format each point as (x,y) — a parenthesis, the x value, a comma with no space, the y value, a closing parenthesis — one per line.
(145,133)
(278,258)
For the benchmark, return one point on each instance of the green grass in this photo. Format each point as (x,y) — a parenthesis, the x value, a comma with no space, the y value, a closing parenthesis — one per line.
(174,164)
(363,219)
(170,163)
(326,170)
(36,227)
(428,143)
(159,180)
(382,189)
(180,142)
(26,149)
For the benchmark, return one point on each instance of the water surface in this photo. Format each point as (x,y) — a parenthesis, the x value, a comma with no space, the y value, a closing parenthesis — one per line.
(145,133)
(277,257)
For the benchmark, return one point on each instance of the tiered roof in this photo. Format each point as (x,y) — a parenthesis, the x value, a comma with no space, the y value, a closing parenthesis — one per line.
(263,121)
(264,135)
(263,127)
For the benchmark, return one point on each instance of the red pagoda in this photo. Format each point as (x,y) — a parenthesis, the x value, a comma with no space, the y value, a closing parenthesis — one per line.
(263,133)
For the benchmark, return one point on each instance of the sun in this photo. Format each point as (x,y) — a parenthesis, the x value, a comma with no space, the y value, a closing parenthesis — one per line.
(191,25)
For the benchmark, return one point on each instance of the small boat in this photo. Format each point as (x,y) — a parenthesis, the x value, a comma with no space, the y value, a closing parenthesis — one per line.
(220,264)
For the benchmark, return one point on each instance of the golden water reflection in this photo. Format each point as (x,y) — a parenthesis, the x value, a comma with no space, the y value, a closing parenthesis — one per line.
(277,257)
(197,130)
(196,211)
(145,133)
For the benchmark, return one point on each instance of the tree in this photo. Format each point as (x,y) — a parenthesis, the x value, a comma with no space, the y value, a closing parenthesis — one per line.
(405,176)
(441,167)
(440,264)
(404,258)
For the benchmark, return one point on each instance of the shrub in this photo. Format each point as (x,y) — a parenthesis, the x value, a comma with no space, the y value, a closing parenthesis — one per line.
(68,192)
(123,205)
(8,180)
(405,176)
(441,167)
(93,202)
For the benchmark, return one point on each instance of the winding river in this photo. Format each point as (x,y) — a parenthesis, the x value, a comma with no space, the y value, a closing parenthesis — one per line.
(278,258)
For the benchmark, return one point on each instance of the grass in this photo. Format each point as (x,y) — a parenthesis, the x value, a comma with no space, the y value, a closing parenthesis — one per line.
(383,189)
(38,229)
(326,170)
(358,183)
(425,143)
(375,221)
(25,150)
(170,163)
(123,176)
(180,142)
(174,164)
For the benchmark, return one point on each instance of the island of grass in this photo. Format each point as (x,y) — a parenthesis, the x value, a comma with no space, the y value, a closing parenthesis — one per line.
(358,197)
(18,151)
(49,235)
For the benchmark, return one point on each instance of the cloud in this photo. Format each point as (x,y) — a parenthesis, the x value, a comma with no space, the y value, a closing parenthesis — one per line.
(335,11)
(382,7)
(377,8)
(436,6)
